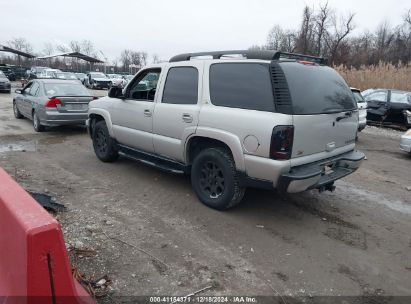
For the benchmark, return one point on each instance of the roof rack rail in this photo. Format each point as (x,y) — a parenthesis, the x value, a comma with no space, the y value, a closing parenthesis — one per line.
(250,54)
(319,60)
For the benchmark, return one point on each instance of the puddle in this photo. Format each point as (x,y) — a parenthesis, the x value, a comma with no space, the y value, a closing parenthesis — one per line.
(20,145)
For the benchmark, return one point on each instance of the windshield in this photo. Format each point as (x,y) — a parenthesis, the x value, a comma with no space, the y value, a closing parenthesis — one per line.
(65,89)
(317,89)
(2,75)
(98,75)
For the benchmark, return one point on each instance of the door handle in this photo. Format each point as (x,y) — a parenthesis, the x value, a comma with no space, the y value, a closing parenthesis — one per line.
(147,113)
(187,118)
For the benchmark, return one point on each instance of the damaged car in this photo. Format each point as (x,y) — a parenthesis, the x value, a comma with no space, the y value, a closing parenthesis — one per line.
(388,106)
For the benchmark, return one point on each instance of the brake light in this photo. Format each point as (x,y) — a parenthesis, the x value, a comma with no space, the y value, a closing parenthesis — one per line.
(52,103)
(95,97)
(306,62)
(282,140)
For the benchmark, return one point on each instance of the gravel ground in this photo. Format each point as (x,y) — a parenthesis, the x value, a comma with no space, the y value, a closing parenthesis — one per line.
(151,236)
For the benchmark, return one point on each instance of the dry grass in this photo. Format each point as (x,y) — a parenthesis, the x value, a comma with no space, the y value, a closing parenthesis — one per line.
(383,75)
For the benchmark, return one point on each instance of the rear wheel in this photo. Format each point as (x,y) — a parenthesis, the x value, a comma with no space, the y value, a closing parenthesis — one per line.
(104,145)
(215,179)
(38,127)
(16,111)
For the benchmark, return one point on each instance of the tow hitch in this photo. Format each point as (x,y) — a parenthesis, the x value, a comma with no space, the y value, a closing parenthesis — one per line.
(327,187)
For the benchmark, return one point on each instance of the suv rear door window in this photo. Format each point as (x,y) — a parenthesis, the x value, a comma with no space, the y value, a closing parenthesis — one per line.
(181,86)
(241,85)
(316,89)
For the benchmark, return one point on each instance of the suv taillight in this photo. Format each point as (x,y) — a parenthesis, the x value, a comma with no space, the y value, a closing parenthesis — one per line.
(282,142)
(52,103)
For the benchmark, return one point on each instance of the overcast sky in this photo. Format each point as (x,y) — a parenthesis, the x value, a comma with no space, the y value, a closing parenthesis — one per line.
(169,27)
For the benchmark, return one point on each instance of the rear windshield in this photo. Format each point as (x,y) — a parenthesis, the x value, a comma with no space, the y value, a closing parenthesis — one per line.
(65,89)
(317,89)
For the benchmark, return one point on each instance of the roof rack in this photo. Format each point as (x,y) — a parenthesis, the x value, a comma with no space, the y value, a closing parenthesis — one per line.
(251,54)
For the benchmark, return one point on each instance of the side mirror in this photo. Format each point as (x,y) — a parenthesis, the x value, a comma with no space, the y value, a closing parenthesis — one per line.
(115,92)
(18,91)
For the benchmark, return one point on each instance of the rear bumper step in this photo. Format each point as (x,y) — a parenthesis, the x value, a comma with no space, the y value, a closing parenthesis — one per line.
(320,175)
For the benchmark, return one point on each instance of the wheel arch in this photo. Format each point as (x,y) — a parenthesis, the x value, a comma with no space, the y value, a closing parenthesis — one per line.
(206,138)
(100,114)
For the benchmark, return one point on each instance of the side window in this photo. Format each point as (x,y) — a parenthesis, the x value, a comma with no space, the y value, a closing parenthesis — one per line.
(241,85)
(181,86)
(34,89)
(27,88)
(399,97)
(144,87)
(377,96)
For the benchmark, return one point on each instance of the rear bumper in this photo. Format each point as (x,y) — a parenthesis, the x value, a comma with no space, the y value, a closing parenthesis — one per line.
(319,175)
(52,118)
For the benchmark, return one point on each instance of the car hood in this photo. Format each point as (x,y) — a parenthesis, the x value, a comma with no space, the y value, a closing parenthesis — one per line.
(100,79)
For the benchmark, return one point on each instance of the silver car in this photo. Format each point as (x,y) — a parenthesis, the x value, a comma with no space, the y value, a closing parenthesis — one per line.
(52,102)
(405,143)
(362,108)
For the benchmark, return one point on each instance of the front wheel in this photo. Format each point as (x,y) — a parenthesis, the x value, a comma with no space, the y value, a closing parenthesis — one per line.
(215,179)
(103,144)
(16,111)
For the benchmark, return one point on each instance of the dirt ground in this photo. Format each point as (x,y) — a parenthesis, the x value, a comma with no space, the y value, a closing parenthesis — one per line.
(153,237)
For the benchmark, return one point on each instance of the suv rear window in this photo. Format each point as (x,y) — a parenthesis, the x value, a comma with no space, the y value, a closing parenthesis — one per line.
(317,89)
(241,85)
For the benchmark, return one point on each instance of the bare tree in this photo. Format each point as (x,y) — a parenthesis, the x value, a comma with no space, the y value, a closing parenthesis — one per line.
(48,49)
(321,24)
(342,28)
(305,35)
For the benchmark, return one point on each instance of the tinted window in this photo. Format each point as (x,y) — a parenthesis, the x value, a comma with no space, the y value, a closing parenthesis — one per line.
(377,96)
(399,97)
(65,89)
(241,85)
(317,89)
(181,86)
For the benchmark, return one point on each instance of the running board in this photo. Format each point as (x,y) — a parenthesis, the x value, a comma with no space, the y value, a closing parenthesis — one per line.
(153,160)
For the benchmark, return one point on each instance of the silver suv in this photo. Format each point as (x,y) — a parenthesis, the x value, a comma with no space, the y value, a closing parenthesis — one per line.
(239,119)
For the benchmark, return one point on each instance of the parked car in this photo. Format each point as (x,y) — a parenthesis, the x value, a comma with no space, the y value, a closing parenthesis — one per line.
(270,120)
(97,80)
(117,80)
(36,71)
(49,73)
(5,85)
(82,77)
(52,102)
(405,143)
(389,106)
(66,75)
(127,79)
(362,109)
(8,72)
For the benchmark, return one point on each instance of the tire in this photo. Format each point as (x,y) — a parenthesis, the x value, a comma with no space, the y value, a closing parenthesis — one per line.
(38,127)
(16,111)
(215,179)
(103,144)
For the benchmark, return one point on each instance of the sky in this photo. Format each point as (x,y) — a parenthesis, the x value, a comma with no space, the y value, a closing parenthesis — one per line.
(166,28)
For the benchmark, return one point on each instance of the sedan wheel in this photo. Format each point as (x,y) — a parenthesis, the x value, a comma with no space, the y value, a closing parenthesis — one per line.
(16,111)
